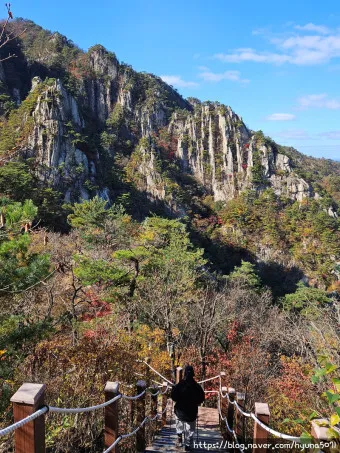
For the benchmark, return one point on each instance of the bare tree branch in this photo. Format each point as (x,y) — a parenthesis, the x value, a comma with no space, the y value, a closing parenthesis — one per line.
(6,36)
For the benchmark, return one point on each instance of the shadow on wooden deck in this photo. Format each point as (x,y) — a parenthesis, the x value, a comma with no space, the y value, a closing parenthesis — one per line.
(208,432)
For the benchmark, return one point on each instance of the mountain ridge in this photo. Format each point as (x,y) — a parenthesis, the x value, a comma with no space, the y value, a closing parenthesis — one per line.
(84,124)
(57,54)
(135,223)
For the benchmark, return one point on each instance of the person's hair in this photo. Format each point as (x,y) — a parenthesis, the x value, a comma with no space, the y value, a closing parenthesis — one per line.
(189,372)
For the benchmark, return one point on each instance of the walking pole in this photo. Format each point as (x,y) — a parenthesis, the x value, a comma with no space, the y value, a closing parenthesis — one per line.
(171,413)
(197,429)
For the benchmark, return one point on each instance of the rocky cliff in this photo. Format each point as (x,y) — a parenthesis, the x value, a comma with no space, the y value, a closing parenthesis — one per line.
(95,109)
(81,124)
(215,145)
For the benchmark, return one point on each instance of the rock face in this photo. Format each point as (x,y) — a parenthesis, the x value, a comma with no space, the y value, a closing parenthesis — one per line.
(209,141)
(101,90)
(54,143)
(217,148)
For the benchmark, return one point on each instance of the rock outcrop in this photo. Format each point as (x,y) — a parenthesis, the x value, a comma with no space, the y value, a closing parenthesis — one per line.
(100,96)
(217,148)
(101,89)
(56,144)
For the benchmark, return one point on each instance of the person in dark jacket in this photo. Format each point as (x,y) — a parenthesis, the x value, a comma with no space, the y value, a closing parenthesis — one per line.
(188,395)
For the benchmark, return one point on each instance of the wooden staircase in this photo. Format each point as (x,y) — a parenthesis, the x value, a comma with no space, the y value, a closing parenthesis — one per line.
(208,432)
(30,409)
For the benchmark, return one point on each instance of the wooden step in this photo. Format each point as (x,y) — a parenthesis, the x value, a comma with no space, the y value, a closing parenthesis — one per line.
(208,432)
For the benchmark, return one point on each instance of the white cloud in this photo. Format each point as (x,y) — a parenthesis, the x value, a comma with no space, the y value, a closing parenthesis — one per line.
(322,29)
(177,81)
(240,55)
(319,101)
(312,49)
(302,134)
(280,117)
(302,48)
(234,76)
(308,50)
(332,135)
(294,134)
(260,31)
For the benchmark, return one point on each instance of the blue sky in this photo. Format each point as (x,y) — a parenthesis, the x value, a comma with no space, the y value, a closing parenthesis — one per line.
(276,64)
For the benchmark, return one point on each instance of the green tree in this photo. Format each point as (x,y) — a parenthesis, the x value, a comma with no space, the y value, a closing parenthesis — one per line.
(305,300)
(15,181)
(95,271)
(258,170)
(20,267)
(327,373)
(246,275)
(89,214)
(165,270)
(50,208)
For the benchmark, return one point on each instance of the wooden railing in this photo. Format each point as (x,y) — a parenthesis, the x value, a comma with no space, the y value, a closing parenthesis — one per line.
(29,410)
(30,438)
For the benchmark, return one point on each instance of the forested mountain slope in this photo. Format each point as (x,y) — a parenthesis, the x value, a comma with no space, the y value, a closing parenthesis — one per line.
(85,107)
(83,124)
(136,223)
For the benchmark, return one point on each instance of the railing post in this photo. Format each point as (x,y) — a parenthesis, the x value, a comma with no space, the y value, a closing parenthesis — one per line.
(30,438)
(164,402)
(223,375)
(111,415)
(147,372)
(231,410)
(224,411)
(239,423)
(154,408)
(320,432)
(260,434)
(132,413)
(179,374)
(140,416)
(154,401)
(320,427)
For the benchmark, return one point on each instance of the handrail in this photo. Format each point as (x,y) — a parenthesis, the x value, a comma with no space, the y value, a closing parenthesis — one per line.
(147,419)
(19,424)
(136,397)
(155,371)
(273,432)
(164,391)
(70,410)
(253,416)
(221,395)
(79,410)
(224,419)
(171,383)
(209,379)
